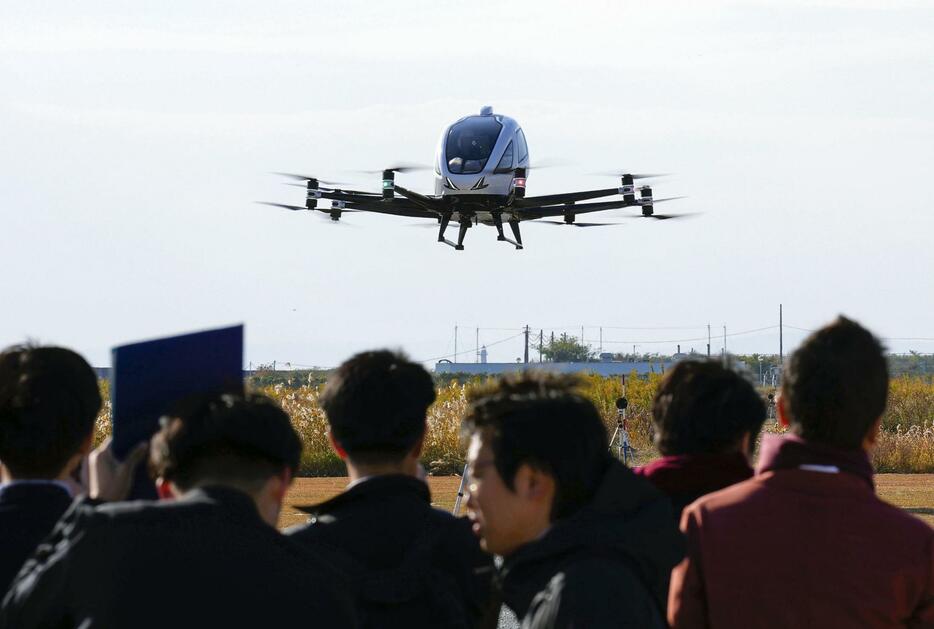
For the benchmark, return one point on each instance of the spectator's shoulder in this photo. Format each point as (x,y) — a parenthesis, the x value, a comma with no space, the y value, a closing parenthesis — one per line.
(899,524)
(596,591)
(727,497)
(453,530)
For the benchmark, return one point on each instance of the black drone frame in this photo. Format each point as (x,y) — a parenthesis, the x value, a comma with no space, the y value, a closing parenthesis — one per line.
(513,208)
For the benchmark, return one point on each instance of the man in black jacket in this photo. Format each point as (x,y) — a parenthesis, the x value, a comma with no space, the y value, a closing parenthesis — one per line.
(48,403)
(585,542)
(208,557)
(411,565)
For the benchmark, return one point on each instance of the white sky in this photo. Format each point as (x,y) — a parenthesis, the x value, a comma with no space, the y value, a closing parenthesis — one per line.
(136,137)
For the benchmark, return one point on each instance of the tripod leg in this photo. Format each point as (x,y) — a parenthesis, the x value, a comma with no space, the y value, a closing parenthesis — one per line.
(460,492)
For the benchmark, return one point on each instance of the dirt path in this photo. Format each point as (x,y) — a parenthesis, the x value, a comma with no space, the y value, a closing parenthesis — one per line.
(912,492)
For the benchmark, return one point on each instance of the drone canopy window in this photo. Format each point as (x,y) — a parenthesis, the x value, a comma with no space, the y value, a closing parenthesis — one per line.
(469,144)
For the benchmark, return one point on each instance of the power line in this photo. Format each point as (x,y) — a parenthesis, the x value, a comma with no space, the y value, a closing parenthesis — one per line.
(471,350)
(699,338)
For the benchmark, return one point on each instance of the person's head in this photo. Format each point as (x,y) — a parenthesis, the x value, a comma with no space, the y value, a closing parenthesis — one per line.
(49,400)
(701,407)
(376,405)
(538,451)
(835,387)
(242,442)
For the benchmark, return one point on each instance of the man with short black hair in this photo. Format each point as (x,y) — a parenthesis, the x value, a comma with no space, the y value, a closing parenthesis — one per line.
(806,542)
(706,419)
(585,542)
(411,565)
(210,557)
(49,400)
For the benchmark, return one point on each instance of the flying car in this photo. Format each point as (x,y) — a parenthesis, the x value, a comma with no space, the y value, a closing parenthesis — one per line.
(480,172)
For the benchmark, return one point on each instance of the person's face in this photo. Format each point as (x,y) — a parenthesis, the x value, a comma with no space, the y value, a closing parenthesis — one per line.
(504,519)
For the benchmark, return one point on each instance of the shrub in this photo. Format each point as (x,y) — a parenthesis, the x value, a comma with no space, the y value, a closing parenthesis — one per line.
(906,443)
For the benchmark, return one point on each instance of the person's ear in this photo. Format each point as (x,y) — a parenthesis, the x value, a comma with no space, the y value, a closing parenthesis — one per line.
(419,446)
(87,445)
(869,441)
(284,482)
(336,446)
(781,410)
(164,489)
(534,485)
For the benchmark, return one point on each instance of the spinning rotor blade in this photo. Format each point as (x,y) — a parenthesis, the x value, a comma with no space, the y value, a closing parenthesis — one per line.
(399,168)
(322,213)
(308,178)
(294,208)
(547,163)
(576,224)
(615,173)
(665,217)
(333,186)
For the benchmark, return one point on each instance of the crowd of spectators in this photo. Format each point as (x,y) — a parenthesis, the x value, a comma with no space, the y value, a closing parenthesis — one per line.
(717,533)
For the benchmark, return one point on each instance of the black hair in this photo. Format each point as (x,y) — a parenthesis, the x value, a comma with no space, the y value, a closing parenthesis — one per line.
(836,384)
(376,404)
(49,400)
(229,439)
(701,407)
(543,421)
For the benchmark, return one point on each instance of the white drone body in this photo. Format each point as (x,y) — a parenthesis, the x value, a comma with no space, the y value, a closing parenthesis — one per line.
(479,155)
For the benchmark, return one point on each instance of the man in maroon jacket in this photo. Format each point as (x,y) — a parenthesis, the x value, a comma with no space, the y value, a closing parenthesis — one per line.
(706,419)
(806,543)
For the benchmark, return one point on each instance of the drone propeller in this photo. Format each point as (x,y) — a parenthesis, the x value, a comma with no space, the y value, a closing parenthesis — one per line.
(402,167)
(309,178)
(616,173)
(576,224)
(323,214)
(665,217)
(293,208)
(547,163)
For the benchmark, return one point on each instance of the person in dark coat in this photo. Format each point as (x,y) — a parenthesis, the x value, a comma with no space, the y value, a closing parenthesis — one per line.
(49,400)
(806,542)
(706,419)
(207,556)
(410,565)
(585,542)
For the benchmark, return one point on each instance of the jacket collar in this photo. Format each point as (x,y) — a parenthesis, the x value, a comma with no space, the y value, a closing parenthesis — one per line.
(782,452)
(384,486)
(238,504)
(692,473)
(29,490)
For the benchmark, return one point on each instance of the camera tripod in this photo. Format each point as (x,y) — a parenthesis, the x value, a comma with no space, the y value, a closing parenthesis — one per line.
(620,439)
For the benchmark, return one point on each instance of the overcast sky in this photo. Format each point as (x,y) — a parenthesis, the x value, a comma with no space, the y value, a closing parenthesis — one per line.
(136,138)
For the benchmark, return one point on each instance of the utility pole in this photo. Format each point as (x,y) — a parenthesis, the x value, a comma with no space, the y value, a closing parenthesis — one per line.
(781,330)
(582,335)
(552,341)
(526,344)
(724,341)
(601,339)
(541,344)
(477,355)
(455,342)
(708,340)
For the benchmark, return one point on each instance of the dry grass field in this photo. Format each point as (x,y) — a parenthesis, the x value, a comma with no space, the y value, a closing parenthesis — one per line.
(912,492)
